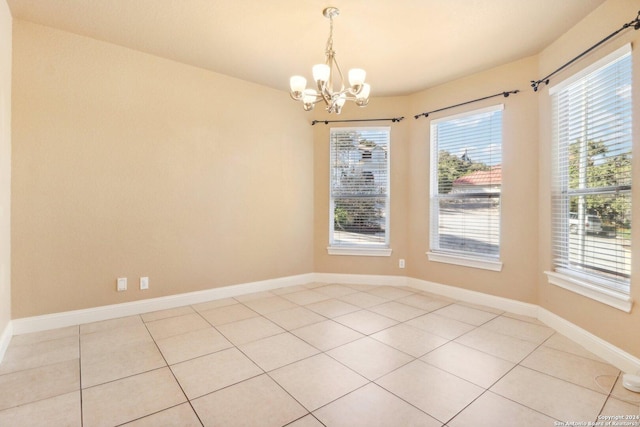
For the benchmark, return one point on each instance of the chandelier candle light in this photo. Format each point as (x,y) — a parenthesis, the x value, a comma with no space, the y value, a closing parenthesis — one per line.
(323,74)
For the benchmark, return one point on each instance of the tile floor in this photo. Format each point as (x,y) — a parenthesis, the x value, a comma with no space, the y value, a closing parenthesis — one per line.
(313,355)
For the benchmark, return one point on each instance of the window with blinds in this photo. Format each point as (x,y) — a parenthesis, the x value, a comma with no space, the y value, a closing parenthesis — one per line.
(591,216)
(466,180)
(359,208)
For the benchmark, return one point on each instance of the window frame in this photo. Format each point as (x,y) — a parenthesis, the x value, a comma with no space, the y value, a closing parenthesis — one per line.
(609,291)
(435,253)
(361,248)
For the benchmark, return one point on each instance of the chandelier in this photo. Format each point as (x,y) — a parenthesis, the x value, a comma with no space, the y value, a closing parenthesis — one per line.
(324,75)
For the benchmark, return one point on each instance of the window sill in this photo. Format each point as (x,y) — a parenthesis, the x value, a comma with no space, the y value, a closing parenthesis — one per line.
(589,289)
(465,261)
(356,251)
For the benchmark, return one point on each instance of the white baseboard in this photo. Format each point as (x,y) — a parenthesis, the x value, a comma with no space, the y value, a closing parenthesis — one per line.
(5,338)
(361,279)
(473,297)
(77,317)
(614,355)
(617,357)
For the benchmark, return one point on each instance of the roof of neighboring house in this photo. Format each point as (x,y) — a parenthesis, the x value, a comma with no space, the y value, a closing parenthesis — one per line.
(490,177)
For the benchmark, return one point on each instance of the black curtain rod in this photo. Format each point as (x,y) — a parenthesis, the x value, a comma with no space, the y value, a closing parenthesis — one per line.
(326,122)
(635,24)
(505,94)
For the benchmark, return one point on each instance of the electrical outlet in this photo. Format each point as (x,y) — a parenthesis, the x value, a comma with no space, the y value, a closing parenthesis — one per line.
(144,283)
(121,284)
(401,263)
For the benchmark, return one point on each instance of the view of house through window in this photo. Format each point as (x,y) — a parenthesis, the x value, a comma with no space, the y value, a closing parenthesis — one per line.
(592,184)
(359,212)
(466,179)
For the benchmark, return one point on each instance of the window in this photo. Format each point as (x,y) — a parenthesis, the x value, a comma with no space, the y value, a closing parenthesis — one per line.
(359,209)
(591,215)
(466,180)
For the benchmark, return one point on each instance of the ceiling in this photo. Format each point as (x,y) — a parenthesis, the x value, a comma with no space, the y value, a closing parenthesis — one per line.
(405,45)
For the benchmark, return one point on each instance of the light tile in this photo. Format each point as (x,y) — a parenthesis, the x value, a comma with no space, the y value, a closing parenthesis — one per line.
(488,309)
(217,303)
(528,319)
(335,290)
(397,311)
(35,384)
(472,365)
(621,393)
(562,343)
(519,329)
(306,297)
(181,415)
(244,331)
(172,326)
(63,411)
(104,325)
(289,289)
(113,365)
(372,406)
(109,340)
(27,356)
(503,346)
(360,287)
(365,321)
(326,335)
(214,371)
(432,390)
(294,318)
(276,351)
(465,314)
(409,339)
(441,326)
(228,314)
(254,295)
(390,292)
(164,314)
(308,421)
(192,344)
(424,302)
(255,402)
(551,396)
(38,337)
(370,358)
(615,407)
(130,398)
(314,285)
(569,367)
(318,380)
(491,410)
(332,308)
(363,299)
(269,304)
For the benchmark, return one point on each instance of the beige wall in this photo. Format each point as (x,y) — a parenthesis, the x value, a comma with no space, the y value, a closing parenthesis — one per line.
(612,325)
(129,165)
(5,165)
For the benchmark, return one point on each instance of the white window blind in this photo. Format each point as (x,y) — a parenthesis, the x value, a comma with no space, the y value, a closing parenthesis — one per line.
(591,216)
(359,209)
(466,179)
